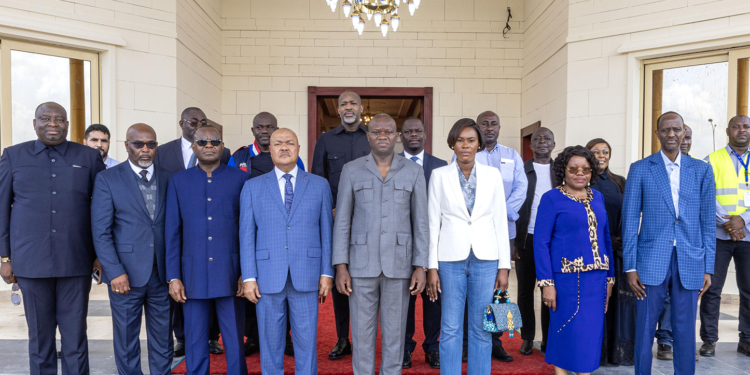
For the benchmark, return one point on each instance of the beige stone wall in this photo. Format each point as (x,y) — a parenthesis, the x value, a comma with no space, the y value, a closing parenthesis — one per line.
(274,50)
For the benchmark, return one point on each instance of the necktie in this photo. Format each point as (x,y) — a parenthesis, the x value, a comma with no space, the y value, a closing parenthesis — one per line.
(191,163)
(144,173)
(415,159)
(288,193)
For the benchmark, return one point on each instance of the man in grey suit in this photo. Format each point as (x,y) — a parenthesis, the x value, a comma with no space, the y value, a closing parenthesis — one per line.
(380,239)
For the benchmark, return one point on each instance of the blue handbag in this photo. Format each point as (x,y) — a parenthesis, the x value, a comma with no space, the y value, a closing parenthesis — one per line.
(502,315)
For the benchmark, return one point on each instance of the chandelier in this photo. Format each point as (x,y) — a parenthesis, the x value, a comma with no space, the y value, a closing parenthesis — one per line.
(378,11)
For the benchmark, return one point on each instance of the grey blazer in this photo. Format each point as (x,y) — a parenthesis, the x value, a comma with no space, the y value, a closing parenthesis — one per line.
(381,225)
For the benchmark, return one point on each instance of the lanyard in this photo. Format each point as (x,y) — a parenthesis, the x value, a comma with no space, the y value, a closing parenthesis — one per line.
(744,164)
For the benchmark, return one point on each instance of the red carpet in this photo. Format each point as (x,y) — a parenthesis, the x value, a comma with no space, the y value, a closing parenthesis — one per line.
(521,365)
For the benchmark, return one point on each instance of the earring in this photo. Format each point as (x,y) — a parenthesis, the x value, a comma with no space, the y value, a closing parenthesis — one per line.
(588,184)
(563,182)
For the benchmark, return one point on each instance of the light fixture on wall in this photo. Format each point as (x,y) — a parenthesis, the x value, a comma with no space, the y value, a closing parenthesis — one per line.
(384,13)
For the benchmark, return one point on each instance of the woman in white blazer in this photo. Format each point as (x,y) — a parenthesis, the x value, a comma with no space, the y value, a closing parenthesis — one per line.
(469,255)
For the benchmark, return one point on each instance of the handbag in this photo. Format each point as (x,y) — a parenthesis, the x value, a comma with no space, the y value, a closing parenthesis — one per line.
(502,315)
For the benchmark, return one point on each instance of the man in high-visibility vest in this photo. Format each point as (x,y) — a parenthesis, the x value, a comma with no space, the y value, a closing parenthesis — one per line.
(730,165)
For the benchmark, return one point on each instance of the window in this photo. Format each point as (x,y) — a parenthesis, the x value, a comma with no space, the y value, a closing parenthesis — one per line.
(31,74)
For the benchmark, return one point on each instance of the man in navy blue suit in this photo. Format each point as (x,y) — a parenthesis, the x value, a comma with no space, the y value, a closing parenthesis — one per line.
(176,156)
(203,245)
(285,247)
(669,242)
(413,135)
(127,220)
(45,239)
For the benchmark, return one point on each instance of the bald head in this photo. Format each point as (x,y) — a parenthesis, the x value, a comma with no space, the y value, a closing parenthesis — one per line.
(141,145)
(51,123)
(50,106)
(386,119)
(284,149)
(207,132)
(134,132)
(489,125)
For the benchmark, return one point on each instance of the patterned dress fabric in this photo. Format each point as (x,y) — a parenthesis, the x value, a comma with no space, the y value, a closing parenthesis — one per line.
(468,187)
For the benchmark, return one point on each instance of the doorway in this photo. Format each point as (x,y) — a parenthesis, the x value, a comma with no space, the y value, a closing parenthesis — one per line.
(399,102)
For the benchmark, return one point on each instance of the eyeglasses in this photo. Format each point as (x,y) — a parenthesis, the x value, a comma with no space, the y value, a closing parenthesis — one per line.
(15,297)
(139,144)
(378,133)
(194,123)
(203,142)
(578,170)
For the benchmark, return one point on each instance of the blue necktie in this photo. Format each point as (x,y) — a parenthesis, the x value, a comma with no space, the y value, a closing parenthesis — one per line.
(191,162)
(288,193)
(414,159)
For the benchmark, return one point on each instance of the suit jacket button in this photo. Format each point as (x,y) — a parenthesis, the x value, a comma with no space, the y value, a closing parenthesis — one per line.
(209,180)
(54,231)
(152,245)
(209,199)
(210,259)
(677,222)
(54,212)
(286,247)
(383,200)
(210,218)
(288,227)
(210,238)
(470,223)
(53,160)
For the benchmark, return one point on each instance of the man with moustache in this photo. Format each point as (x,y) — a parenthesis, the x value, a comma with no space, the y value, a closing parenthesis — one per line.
(45,238)
(127,220)
(730,166)
(176,156)
(334,149)
(286,254)
(510,165)
(380,240)
(669,242)
(541,178)
(413,135)
(203,244)
(97,137)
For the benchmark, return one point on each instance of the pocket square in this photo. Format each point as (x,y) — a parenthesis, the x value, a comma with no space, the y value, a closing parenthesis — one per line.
(77,166)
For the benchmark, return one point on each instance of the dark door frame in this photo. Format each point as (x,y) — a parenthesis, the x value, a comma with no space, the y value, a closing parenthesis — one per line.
(313,92)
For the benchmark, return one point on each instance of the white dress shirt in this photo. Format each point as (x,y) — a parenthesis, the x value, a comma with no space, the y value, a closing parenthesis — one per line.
(543,185)
(420,157)
(282,188)
(187,152)
(137,170)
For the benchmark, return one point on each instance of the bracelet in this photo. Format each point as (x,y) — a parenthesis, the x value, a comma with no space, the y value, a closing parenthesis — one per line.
(5,260)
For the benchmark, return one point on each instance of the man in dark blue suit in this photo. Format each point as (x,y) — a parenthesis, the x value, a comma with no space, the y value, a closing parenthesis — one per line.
(176,156)
(45,240)
(203,245)
(127,221)
(413,135)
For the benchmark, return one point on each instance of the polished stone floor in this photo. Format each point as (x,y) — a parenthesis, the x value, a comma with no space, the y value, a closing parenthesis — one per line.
(14,341)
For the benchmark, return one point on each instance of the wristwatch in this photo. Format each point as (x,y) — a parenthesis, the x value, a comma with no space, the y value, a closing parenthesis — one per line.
(4,259)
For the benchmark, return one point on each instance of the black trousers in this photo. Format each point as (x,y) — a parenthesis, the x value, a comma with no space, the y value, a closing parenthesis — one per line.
(251,325)
(178,322)
(340,312)
(49,304)
(711,300)
(431,314)
(526,276)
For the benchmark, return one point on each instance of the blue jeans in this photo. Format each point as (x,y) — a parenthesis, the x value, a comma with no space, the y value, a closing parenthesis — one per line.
(664,330)
(471,279)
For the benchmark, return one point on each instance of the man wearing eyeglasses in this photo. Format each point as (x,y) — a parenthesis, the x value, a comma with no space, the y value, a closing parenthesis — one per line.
(176,156)
(45,239)
(203,245)
(127,220)
(413,136)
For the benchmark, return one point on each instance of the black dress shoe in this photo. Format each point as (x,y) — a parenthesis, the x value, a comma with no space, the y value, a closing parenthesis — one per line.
(527,347)
(543,347)
(250,348)
(179,349)
(407,359)
(664,352)
(708,349)
(500,354)
(433,359)
(465,355)
(744,348)
(214,347)
(342,348)
(289,349)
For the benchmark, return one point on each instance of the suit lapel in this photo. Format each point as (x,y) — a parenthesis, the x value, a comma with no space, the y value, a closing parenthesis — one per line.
(396,165)
(299,190)
(370,164)
(127,175)
(687,179)
(161,194)
(456,187)
(481,188)
(178,151)
(659,172)
(273,186)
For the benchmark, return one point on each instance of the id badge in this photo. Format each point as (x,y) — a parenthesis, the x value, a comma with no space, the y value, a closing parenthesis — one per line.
(747,198)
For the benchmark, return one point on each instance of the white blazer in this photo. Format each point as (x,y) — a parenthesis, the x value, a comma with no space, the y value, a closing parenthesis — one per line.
(453,232)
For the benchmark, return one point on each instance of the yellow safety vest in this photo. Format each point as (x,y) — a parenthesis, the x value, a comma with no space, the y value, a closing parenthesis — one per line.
(730,186)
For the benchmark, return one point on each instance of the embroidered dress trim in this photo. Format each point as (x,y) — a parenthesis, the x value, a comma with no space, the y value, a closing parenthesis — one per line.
(577,264)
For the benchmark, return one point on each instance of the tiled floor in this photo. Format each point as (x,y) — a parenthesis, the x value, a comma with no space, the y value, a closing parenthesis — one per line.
(14,343)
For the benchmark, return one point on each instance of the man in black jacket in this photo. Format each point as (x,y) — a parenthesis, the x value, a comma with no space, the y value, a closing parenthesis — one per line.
(541,179)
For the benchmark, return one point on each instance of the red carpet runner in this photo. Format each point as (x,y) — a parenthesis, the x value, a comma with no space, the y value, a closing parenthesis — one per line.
(521,365)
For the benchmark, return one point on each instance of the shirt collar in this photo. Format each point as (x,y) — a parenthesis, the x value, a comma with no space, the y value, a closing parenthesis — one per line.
(420,155)
(280,174)
(731,152)
(677,161)
(185,143)
(137,169)
(341,128)
(39,147)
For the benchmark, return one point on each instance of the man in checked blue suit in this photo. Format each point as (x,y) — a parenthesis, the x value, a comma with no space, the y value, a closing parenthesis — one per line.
(285,247)
(669,242)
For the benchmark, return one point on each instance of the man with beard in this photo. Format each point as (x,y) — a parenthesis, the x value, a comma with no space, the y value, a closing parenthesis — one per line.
(413,135)
(334,149)
(381,214)
(127,220)
(730,166)
(176,156)
(203,244)
(45,239)
(97,137)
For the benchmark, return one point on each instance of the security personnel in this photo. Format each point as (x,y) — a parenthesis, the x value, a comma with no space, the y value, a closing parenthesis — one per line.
(45,240)
(730,165)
